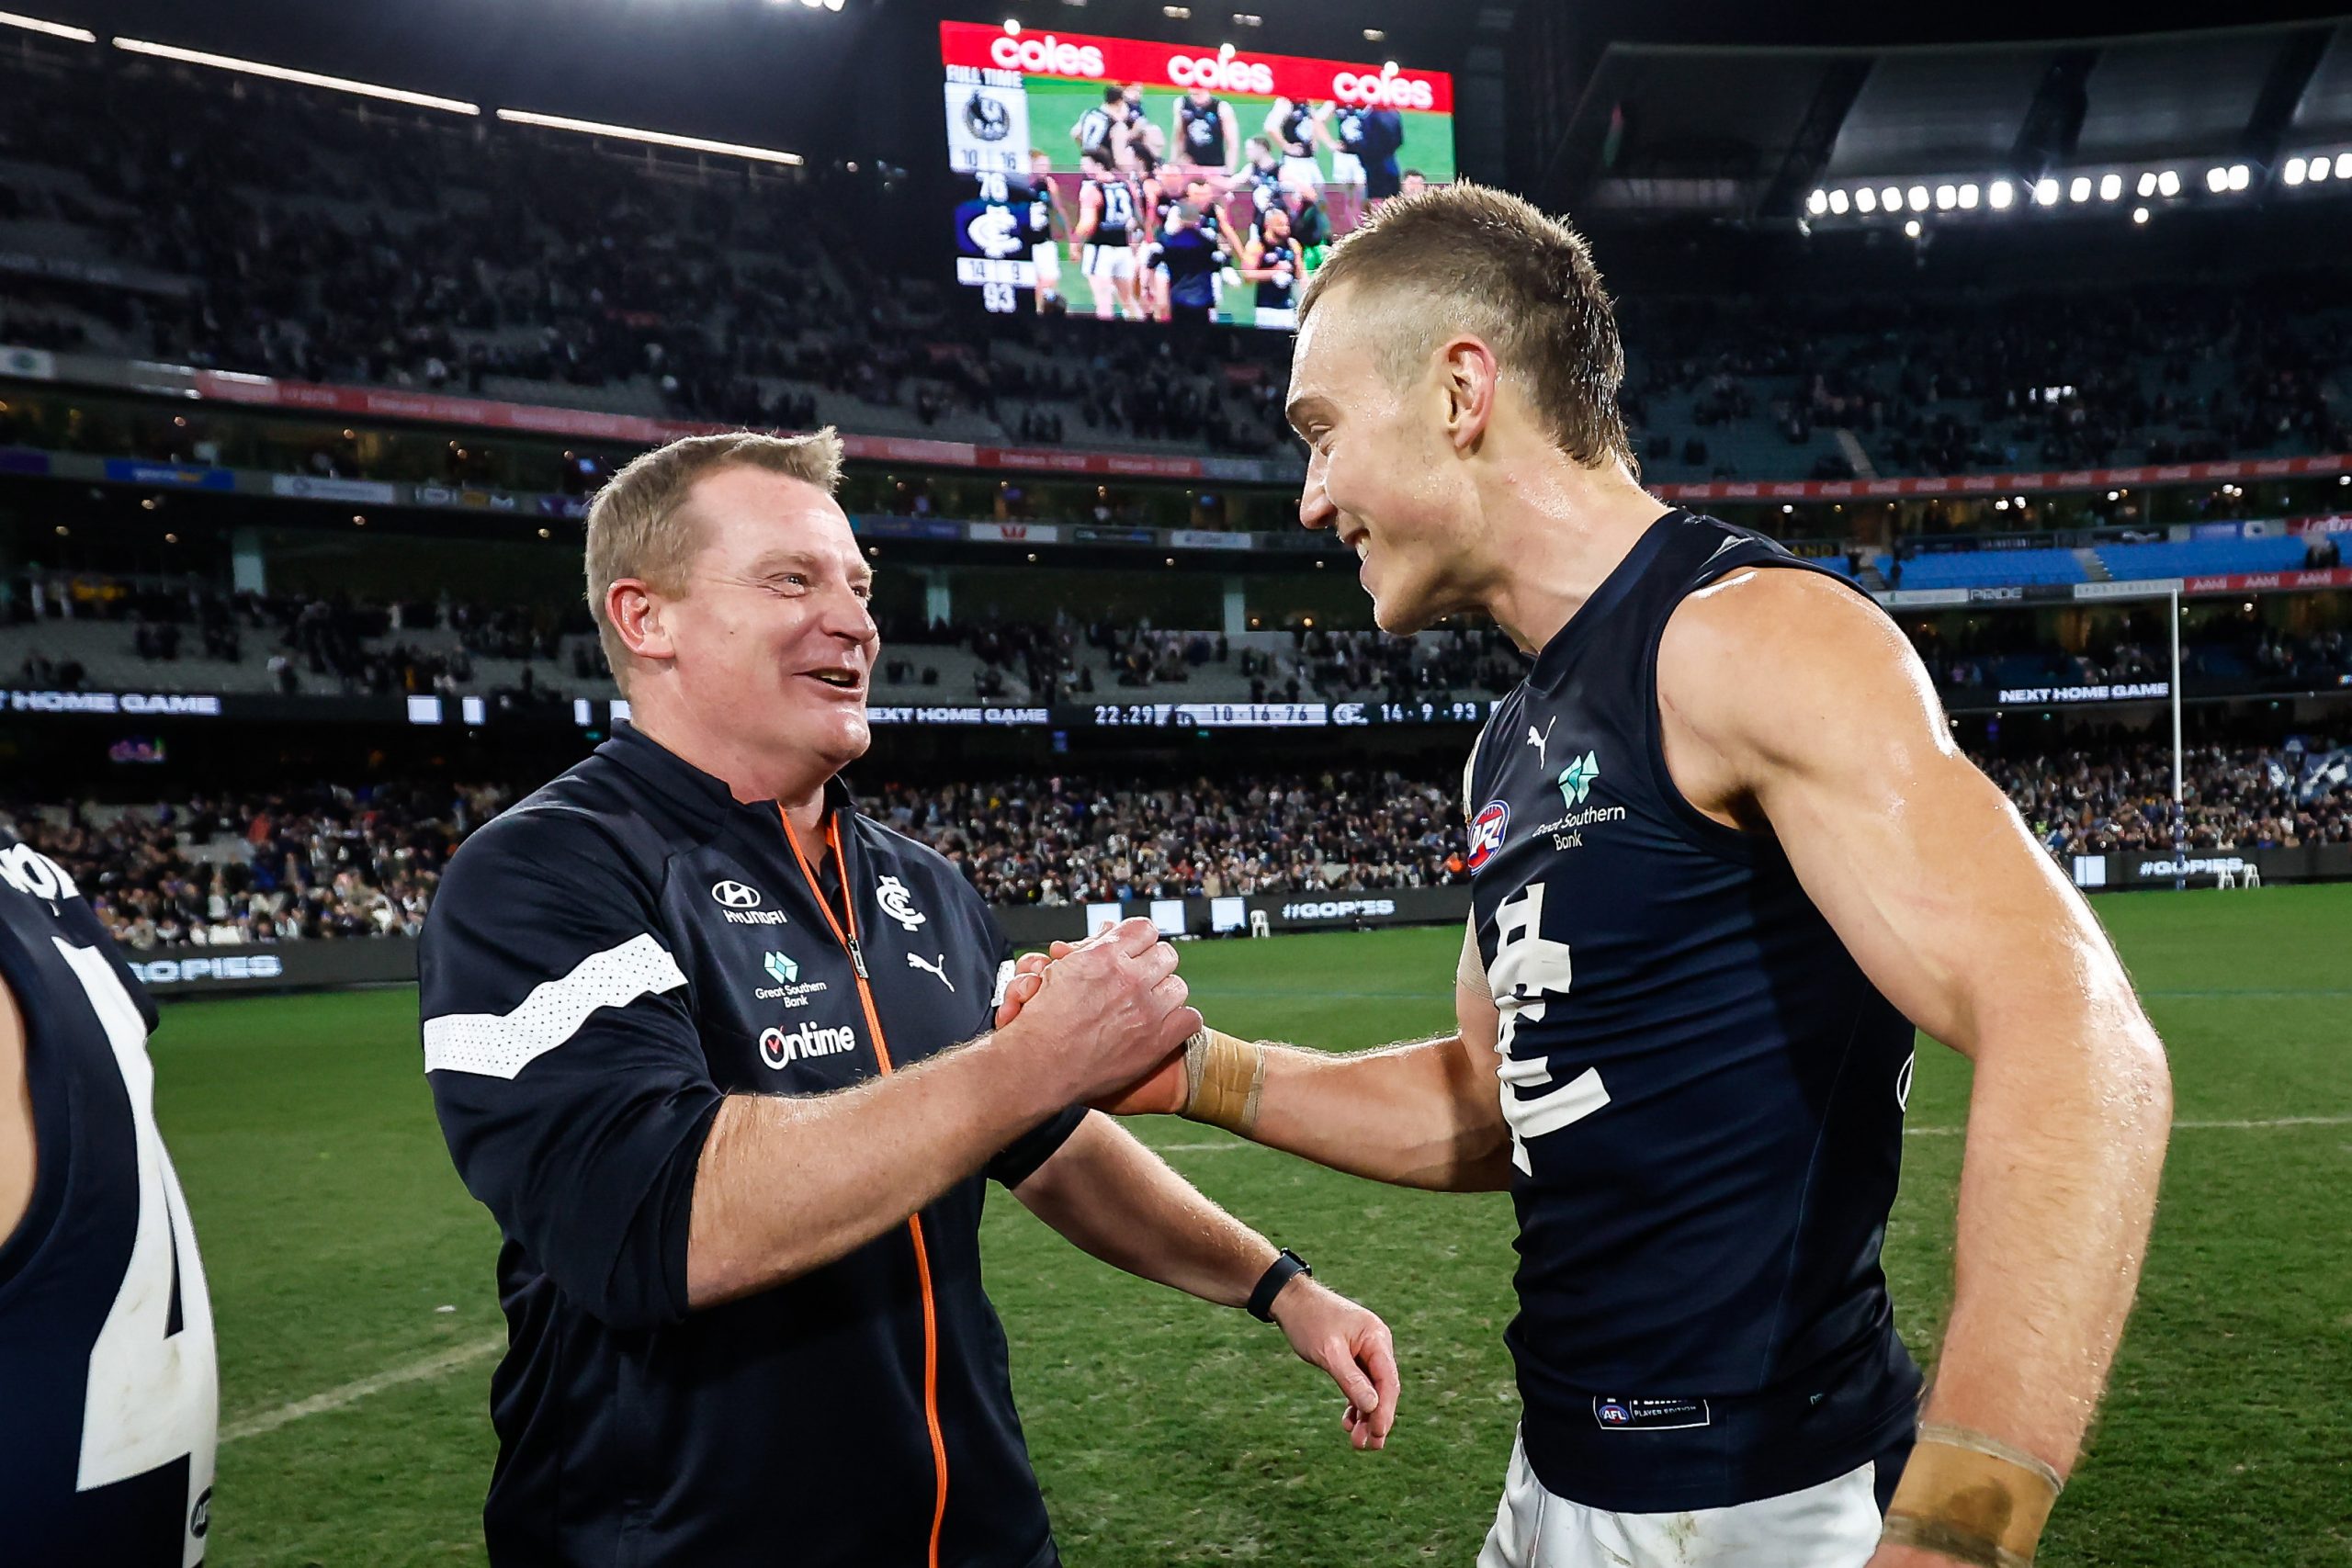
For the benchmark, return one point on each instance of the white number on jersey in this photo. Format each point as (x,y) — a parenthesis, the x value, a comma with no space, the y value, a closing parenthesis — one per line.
(152,1397)
(1528,968)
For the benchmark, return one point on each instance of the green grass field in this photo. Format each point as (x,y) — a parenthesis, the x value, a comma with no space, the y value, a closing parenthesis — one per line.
(338,1241)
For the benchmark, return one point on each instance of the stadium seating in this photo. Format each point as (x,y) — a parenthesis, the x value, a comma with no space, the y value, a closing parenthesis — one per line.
(2201,558)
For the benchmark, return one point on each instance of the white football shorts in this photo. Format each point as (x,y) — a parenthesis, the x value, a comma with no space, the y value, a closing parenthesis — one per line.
(1833,1524)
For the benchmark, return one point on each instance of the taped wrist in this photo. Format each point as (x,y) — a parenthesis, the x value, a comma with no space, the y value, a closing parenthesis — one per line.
(1973,1498)
(1223,1081)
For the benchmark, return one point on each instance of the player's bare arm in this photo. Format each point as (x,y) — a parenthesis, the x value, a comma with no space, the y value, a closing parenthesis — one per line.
(788,1184)
(1114,1198)
(18,1149)
(1090,213)
(1790,707)
(1427,1113)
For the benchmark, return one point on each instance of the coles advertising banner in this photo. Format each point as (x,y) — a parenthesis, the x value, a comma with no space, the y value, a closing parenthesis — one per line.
(1170,182)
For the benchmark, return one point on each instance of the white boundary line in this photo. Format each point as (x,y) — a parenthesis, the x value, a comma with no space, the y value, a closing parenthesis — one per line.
(432,1366)
(444,1362)
(2239,1125)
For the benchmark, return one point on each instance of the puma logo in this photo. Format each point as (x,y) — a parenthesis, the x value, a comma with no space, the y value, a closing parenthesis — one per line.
(1542,741)
(916,961)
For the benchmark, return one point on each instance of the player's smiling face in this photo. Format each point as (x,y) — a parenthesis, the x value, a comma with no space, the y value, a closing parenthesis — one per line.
(1380,473)
(774,640)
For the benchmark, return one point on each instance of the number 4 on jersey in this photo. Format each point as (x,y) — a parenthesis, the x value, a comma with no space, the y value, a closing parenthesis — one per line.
(1528,968)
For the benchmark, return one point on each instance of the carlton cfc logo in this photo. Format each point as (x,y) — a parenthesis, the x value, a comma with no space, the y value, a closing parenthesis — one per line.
(1487,830)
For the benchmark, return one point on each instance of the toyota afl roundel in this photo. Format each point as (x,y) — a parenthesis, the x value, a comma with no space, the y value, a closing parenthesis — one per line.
(1486,831)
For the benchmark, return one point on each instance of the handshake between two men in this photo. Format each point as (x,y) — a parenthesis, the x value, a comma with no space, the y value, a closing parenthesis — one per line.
(1134,1046)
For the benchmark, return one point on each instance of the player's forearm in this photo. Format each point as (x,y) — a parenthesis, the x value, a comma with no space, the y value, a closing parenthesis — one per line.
(1414,1115)
(1115,1200)
(2057,1191)
(788,1184)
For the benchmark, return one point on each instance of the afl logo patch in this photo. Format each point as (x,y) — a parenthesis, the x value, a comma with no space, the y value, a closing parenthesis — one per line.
(1487,830)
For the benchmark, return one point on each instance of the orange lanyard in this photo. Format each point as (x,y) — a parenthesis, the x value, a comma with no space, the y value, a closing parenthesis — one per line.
(846,932)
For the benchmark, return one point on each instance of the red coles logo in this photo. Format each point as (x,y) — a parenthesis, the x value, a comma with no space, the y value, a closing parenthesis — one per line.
(1047,56)
(1486,831)
(1387,90)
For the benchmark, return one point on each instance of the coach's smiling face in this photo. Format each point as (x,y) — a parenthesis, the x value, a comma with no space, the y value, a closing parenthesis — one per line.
(771,648)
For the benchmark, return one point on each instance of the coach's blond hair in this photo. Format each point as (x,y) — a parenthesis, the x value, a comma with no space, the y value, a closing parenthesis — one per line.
(1468,258)
(638,526)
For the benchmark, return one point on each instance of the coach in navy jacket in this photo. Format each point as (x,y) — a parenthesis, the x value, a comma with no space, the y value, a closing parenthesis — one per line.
(717,1054)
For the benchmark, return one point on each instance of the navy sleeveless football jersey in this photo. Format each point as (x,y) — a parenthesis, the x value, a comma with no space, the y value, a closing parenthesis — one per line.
(1706,1093)
(108,1398)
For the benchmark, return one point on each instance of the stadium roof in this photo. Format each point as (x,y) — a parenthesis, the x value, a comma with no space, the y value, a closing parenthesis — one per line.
(1741,132)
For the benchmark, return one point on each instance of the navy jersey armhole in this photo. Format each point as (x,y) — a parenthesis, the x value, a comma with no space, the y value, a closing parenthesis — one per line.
(1701,830)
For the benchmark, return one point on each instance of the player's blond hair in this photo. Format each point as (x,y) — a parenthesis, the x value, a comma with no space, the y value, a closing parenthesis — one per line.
(1468,258)
(638,526)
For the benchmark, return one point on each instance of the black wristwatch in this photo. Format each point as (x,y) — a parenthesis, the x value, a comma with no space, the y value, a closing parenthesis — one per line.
(1285,1268)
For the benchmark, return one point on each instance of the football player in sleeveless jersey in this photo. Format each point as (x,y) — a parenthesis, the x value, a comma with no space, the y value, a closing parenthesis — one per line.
(1725,857)
(109,1405)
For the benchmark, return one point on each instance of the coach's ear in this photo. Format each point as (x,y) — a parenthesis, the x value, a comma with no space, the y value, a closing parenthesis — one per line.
(635,610)
(1469,380)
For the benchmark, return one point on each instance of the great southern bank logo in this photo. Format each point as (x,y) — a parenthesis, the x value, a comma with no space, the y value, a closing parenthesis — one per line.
(782,969)
(1577,779)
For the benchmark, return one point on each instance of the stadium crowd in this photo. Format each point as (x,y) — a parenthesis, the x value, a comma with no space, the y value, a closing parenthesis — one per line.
(329,863)
(309,864)
(479,260)
(310,643)
(475,259)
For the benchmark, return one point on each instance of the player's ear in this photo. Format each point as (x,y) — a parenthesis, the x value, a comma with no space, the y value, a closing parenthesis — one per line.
(1469,380)
(635,608)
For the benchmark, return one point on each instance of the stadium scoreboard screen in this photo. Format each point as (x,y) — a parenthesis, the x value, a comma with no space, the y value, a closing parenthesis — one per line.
(1139,181)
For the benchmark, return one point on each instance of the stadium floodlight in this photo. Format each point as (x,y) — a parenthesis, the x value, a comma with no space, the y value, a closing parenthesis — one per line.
(2344,165)
(1866,201)
(2139,215)
(1891,199)
(2045,191)
(1839,202)
(2294,173)
(2318,170)
(2079,188)
(2240,176)
(652,138)
(2217,179)
(2109,186)
(301,78)
(1817,203)
(1918,195)
(1967,197)
(1947,197)
(2169,183)
(1177,12)
(53,29)
(1911,228)
(1013,26)
(1999,194)
(2147,186)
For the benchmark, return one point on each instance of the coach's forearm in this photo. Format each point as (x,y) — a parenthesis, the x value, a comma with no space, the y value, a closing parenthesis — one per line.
(788,1184)
(2057,1191)
(1416,1116)
(1115,1200)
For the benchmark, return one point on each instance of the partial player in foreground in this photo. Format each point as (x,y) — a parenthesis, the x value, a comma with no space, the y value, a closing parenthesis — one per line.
(1725,857)
(725,1059)
(109,1403)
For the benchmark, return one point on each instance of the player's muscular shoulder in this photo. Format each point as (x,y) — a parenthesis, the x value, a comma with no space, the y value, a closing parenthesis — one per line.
(1773,669)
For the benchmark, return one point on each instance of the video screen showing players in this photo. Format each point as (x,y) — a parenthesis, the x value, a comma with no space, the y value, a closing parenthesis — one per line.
(1135,181)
